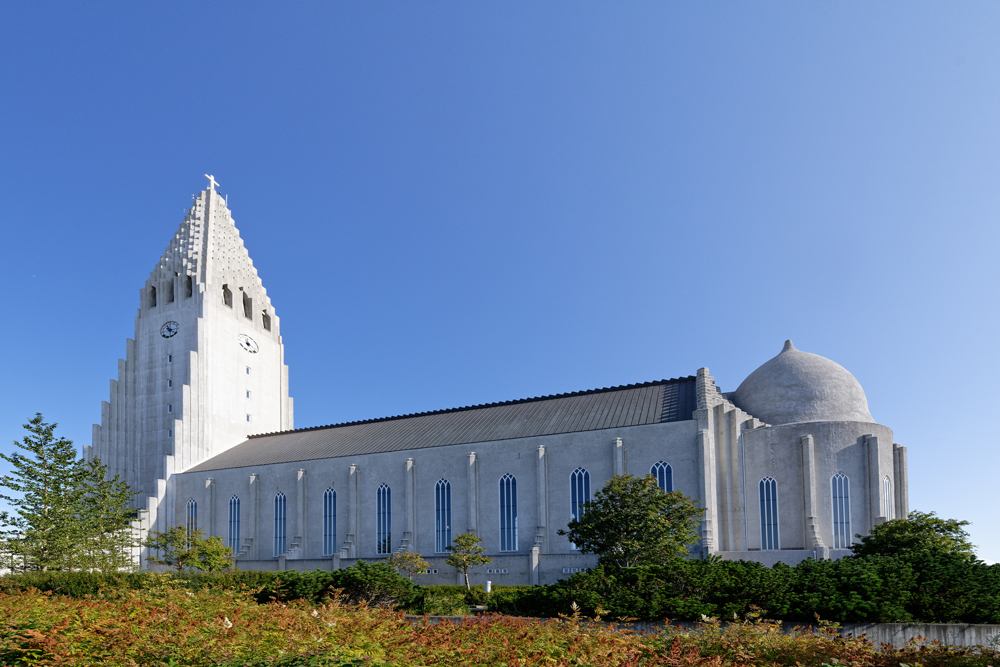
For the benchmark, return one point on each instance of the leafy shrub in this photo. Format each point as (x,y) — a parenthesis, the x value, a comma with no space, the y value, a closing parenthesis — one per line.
(922,587)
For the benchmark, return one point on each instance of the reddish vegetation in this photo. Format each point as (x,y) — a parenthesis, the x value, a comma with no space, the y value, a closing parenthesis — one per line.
(169,625)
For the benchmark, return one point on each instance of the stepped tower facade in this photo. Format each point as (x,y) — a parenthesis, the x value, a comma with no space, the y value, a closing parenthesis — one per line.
(205,369)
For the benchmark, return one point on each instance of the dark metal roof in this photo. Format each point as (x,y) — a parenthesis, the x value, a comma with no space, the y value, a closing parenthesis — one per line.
(596,409)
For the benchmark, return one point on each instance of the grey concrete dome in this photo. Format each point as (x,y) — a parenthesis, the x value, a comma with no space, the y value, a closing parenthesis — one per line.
(798,386)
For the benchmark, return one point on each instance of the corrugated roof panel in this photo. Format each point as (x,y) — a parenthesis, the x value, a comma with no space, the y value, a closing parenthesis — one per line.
(649,403)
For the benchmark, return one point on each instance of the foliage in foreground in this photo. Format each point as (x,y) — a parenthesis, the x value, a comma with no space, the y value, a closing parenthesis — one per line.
(170,625)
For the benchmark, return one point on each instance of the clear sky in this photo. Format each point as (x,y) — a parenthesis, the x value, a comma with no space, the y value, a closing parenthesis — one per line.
(452,204)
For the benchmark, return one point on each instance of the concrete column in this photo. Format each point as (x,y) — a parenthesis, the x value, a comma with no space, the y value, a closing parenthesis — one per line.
(813,539)
(210,502)
(876,513)
(738,507)
(302,518)
(409,534)
(541,497)
(706,465)
(250,528)
(473,494)
(901,487)
(619,454)
(352,512)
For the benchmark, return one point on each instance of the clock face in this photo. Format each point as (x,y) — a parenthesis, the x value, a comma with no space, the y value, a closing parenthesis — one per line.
(248,344)
(169,329)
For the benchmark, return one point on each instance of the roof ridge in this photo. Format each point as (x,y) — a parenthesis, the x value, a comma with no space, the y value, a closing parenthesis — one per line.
(479,406)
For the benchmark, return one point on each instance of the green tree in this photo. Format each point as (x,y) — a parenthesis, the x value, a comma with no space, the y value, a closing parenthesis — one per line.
(213,555)
(921,531)
(179,548)
(66,513)
(631,522)
(408,562)
(466,553)
(110,541)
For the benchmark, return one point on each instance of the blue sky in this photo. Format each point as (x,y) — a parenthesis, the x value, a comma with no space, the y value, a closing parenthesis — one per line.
(458,203)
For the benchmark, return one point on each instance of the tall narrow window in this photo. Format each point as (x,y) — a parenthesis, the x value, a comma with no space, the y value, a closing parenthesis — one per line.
(170,291)
(247,306)
(768,514)
(152,297)
(840,491)
(508,513)
(266,321)
(664,475)
(329,522)
(442,516)
(383,529)
(192,519)
(227,296)
(887,499)
(234,524)
(188,286)
(279,524)
(579,493)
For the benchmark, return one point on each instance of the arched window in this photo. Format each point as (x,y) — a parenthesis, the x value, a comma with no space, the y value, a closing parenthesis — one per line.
(192,519)
(508,513)
(840,491)
(234,524)
(329,522)
(768,514)
(579,493)
(279,524)
(442,516)
(887,498)
(383,531)
(152,297)
(664,475)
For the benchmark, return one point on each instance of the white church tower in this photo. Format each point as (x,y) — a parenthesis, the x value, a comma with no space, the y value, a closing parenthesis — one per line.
(206,368)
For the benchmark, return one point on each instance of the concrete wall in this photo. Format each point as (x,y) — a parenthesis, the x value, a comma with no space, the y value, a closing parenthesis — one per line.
(542,475)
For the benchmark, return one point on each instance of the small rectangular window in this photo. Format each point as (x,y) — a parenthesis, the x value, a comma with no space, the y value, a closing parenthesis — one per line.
(170,432)
(170,408)
(248,370)
(170,358)
(248,393)
(170,383)
(248,417)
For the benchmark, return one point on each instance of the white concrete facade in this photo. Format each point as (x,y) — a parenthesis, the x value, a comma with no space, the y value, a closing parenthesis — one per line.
(206,367)
(176,427)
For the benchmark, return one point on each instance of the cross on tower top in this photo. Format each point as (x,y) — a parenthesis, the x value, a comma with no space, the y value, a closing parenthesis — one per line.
(211,182)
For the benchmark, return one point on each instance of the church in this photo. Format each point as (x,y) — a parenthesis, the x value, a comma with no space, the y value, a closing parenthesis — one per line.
(791,465)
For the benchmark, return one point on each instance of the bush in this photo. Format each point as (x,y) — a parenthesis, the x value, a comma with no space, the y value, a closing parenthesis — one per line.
(924,587)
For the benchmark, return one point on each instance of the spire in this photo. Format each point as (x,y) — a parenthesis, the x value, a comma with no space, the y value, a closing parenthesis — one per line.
(207,248)
(788,346)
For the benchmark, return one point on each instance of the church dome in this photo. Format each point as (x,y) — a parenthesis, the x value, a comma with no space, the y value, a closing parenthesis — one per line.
(797,386)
